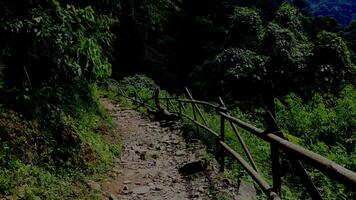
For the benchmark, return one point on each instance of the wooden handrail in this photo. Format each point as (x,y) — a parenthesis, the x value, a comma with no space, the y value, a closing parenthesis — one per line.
(337,172)
(243,124)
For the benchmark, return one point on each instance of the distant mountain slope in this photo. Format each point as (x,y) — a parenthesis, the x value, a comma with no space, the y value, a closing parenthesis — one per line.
(343,10)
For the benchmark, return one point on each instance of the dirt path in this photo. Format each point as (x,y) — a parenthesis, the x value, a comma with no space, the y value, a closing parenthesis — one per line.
(149,164)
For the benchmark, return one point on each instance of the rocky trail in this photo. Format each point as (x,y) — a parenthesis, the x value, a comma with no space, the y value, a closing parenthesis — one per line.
(157,163)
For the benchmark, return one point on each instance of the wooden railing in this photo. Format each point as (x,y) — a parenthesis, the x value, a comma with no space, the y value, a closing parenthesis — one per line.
(273,135)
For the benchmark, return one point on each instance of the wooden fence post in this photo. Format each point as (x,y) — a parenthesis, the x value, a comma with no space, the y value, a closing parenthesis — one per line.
(297,165)
(156,99)
(195,118)
(222,135)
(273,128)
(275,155)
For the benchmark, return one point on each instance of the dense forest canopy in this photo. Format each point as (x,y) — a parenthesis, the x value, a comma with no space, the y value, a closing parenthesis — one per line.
(54,52)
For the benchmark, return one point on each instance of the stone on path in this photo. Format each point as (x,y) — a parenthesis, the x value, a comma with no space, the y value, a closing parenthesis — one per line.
(247,191)
(193,167)
(141,190)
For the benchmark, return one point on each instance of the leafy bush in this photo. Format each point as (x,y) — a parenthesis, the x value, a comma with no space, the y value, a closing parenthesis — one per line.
(138,82)
(327,119)
(326,125)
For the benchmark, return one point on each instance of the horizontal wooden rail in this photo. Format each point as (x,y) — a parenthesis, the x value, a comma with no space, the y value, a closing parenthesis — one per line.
(243,124)
(333,170)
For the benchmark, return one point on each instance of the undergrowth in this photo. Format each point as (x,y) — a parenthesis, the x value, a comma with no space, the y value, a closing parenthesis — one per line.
(53,159)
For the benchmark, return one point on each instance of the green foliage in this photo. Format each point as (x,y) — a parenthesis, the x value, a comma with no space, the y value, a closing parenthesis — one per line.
(287,49)
(24,181)
(327,119)
(78,47)
(284,51)
(243,64)
(77,42)
(330,44)
(140,88)
(138,82)
(158,11)
(289,17)
(246,29)
(332,62)
(50,159)
(325,125)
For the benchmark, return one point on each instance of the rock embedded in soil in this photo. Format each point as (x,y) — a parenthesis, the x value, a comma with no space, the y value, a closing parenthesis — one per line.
(141,190)
(93,185)
(180,153)
(247,191)
(193,167)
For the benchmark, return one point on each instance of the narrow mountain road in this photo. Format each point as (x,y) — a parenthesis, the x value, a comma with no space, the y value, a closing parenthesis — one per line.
(150,161)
